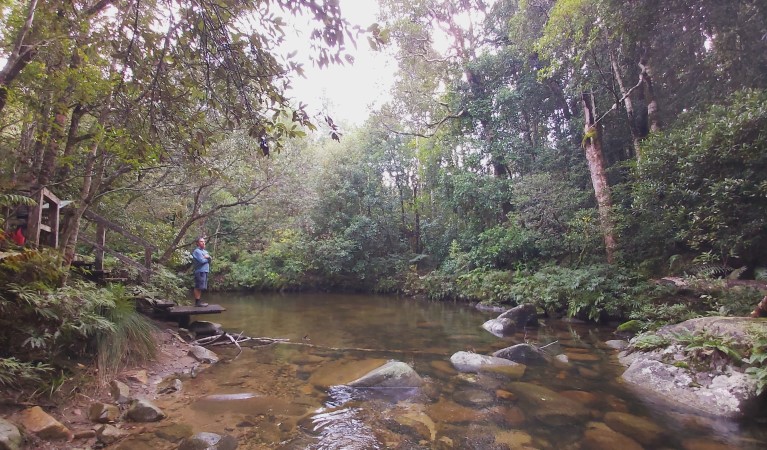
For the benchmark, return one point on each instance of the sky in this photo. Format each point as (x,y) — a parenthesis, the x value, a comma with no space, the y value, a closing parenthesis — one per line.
(347,93)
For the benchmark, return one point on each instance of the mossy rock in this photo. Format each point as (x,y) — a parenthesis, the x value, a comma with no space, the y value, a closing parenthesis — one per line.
(632,326)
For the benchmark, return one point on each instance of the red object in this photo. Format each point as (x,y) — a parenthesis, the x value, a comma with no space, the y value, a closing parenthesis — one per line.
(18,237)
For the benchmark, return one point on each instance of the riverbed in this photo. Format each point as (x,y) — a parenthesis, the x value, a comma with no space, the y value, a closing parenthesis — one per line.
(292,395)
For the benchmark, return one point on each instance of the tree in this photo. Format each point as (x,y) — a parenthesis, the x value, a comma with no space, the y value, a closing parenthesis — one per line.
(93,91)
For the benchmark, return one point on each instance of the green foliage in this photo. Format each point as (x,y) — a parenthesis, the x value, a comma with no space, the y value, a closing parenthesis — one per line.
(281,266)
(41,321)
(631,326)
(486,285)
(704,180)
(757,360)
(163,284)
(15,373)
(130,338)
(649,341)
(594,292)
(701,345)
(653,314)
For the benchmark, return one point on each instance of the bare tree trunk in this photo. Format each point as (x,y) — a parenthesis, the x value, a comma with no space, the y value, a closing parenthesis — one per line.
(653,113)
(627,103)
(593,147)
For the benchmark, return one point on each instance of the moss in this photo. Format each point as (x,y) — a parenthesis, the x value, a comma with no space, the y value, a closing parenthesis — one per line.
(632,326)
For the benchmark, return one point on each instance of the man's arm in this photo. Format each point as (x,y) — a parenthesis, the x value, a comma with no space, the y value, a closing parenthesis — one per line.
(199,256)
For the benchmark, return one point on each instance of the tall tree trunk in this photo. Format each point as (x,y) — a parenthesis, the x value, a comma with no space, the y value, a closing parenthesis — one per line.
(653,113)
(627,102)
(593,146)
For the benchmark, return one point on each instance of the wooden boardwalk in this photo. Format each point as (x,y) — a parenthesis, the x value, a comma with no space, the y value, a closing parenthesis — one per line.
(182,314)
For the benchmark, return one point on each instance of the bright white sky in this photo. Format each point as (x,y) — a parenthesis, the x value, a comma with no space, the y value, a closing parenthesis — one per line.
(347,93)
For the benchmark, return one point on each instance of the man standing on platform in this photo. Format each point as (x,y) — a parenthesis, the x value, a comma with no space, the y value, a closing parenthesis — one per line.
(201,268)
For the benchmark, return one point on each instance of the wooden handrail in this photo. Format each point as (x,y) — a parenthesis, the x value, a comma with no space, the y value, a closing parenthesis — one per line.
(117,255)
(109,224)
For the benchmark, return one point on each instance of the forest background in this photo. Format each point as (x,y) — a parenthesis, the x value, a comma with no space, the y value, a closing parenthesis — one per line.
(565,153)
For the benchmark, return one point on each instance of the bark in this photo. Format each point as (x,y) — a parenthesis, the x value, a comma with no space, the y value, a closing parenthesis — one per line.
(627,103)
(653,113)
(595,157)
(200,195)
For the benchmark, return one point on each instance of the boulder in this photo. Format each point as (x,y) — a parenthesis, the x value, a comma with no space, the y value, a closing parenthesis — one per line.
(204,328)
(731,395)
(500,327)
(208,441)
(736,328)
(120,392)
(142,410)
(617,344)
(512,320)
(474,362)
(10,436)
(203,355)
(393,374)
(522,353)
(36,421)
(103,413)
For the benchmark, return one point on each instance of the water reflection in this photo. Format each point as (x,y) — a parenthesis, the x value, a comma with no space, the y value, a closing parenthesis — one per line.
(293,395)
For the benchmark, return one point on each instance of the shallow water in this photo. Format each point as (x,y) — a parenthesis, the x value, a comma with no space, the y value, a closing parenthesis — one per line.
(293,396)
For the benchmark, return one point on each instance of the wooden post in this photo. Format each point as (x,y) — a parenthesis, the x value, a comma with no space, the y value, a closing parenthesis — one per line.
(147,263)
(54,209)
(101,238)
(33,220)
(35,225)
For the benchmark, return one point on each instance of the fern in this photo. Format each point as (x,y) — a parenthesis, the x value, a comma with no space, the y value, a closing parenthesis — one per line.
(16,199)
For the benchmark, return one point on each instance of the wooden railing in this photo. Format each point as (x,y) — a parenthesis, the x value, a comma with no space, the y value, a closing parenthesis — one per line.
(99,243)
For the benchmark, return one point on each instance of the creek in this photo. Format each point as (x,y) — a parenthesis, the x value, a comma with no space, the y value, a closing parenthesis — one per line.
(292,395)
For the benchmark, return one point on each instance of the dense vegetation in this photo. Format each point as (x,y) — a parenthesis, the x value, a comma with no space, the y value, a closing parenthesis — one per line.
(561,152)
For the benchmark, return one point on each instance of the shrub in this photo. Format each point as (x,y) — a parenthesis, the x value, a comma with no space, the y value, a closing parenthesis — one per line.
(704,183)
(130,339)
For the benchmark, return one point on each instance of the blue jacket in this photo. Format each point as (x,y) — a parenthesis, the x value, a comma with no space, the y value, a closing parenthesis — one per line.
(201,262)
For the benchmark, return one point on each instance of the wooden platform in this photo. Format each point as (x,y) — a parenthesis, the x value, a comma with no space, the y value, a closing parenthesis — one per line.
(182,314)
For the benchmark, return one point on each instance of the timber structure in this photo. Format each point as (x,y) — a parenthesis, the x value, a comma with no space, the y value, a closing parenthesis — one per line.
(169,310)
(43,219)
(99,244)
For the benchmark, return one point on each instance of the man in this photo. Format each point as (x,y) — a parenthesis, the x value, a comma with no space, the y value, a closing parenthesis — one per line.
(201,268)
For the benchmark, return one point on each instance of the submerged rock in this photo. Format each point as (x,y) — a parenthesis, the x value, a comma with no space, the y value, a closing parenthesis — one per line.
(635,427)
(203,355)
(522,353)
(208,441)
(599,436)
(547,406)
(474,362)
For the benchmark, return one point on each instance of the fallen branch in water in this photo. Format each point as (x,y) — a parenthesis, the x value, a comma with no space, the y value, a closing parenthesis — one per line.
(228,339)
